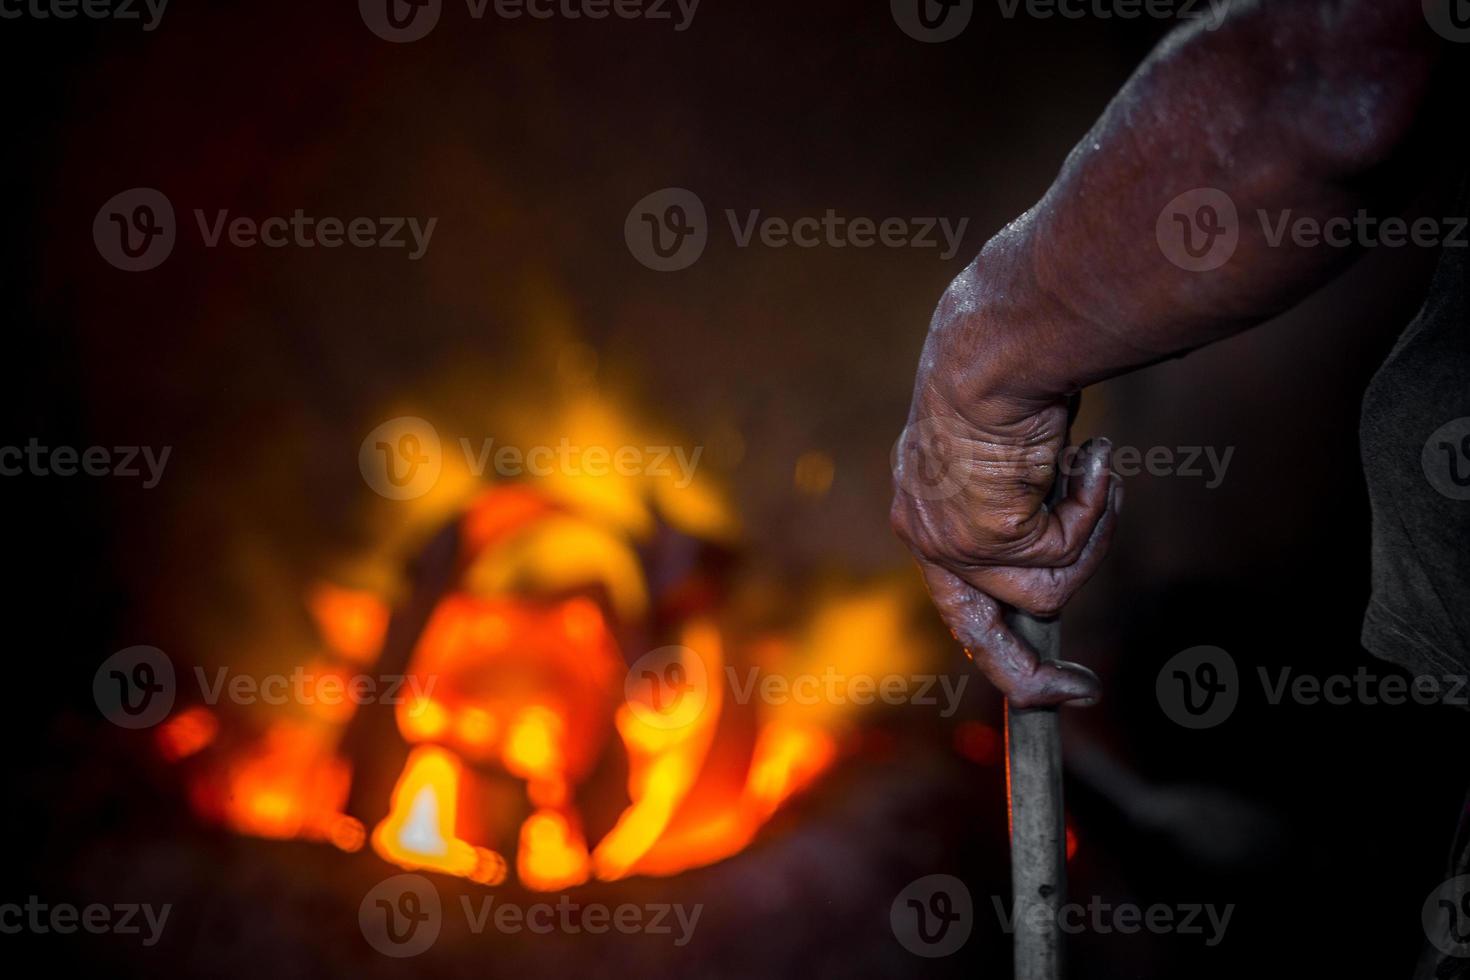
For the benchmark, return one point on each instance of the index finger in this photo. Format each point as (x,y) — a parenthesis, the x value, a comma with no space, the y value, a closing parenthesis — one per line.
(977,622)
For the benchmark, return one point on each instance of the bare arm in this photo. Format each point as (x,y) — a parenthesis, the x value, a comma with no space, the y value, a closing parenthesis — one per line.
(1291,104)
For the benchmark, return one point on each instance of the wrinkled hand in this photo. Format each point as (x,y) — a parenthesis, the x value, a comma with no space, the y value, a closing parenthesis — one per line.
(971,485)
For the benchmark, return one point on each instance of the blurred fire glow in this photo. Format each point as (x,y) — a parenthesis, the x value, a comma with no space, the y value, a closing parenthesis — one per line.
(519,672)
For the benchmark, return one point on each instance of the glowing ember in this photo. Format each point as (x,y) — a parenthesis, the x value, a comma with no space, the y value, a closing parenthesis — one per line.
(186,733)
(518,680)
(419,831)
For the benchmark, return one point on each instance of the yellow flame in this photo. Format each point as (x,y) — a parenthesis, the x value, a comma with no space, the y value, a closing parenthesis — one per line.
(663,763)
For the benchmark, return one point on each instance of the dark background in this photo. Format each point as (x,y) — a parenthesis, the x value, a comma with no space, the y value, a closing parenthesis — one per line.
(530,141)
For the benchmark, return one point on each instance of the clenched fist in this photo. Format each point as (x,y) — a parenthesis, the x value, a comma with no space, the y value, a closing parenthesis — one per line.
(973,472)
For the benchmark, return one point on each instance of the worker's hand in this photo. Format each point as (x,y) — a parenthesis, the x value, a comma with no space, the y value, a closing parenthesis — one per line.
(972,475)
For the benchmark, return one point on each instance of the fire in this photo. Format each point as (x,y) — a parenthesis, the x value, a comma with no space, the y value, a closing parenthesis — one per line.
(520,678)
(188,732)
(419,831)
(352,622)
(666,745)
(291,784)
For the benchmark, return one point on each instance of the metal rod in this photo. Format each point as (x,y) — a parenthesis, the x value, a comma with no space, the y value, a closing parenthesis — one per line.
(1037,823)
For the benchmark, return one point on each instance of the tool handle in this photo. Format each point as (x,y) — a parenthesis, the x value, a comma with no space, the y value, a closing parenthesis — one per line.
(1037,823)
(1037,814)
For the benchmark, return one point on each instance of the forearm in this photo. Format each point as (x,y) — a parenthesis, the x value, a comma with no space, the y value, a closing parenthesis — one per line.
(1287,106)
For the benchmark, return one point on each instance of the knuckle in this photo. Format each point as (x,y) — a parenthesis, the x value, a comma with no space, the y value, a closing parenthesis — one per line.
(1022,696)
(1006,526)
(1049,599)
(1046,606)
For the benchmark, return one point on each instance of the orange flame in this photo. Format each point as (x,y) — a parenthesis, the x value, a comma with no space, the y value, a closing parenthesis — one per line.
(530,683)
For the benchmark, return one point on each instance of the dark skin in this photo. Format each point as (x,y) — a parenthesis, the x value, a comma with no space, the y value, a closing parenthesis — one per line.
(1292,104)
